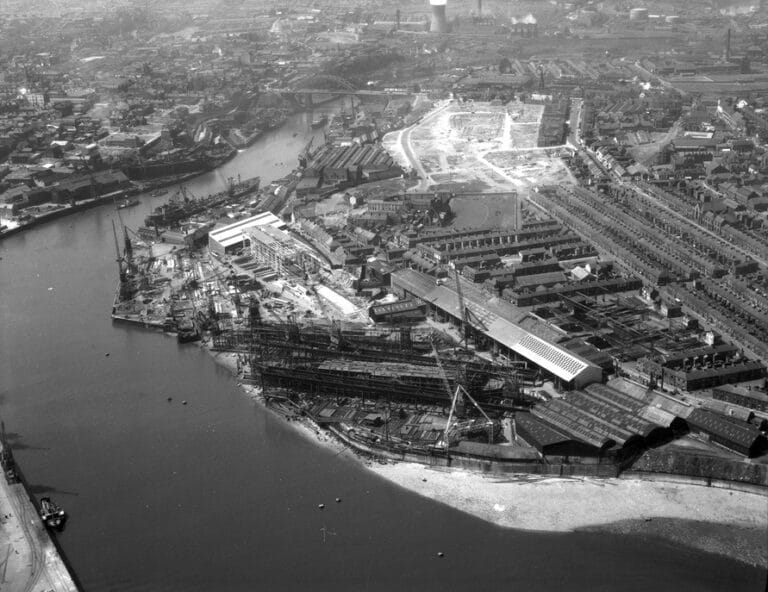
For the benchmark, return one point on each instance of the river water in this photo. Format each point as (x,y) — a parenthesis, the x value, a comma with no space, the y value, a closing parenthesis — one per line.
(220,494)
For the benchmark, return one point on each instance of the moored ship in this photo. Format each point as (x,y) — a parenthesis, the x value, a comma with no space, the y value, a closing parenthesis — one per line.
(52,514)
(183,204)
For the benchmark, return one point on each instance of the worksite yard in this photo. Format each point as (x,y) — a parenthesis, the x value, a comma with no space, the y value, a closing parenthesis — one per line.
(478,144)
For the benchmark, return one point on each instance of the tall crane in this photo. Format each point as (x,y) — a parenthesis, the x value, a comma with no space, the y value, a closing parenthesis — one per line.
(454,397)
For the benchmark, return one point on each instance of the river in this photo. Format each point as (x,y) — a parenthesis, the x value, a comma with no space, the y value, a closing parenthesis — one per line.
(219,494)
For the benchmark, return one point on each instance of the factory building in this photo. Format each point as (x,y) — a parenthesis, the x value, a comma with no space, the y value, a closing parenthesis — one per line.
(503,335)
(333,165)
(232,238)
(549,440)
(402,311)
(749,397)
(270,246)
(699,368)
(738,436)
(602,421)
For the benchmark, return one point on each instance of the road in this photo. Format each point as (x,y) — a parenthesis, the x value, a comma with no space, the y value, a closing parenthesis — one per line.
(405,143)
(574,133)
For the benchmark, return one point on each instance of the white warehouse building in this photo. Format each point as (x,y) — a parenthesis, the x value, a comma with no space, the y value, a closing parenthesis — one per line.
(232,238)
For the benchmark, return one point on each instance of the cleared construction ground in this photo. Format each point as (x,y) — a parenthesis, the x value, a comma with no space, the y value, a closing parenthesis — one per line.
(481,146)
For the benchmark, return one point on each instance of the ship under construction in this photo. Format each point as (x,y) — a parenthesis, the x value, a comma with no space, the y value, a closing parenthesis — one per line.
(352,360)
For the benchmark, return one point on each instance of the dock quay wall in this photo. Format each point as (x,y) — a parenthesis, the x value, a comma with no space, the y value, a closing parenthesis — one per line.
(475,463)
(699,468)
(65,211)
(139,321)
(703,481)
(36,562)
(495,466)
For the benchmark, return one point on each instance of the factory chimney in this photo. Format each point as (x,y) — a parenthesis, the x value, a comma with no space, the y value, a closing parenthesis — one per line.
(479,7)
(439,23)
(728,46)
(397,19)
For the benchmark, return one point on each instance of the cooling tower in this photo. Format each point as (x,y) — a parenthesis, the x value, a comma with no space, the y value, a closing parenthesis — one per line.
(439,23)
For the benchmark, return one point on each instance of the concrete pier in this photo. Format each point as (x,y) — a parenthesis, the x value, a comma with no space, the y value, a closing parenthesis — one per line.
(29,560)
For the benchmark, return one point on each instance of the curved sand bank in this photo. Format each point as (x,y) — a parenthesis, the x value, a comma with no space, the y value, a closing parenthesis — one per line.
(731,523)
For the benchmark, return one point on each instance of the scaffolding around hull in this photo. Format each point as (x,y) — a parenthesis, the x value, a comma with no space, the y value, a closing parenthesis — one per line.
(410,384)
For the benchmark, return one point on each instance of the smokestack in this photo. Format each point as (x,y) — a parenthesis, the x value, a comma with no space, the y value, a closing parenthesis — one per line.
(728,46)
(397,19)
(479,7)
(439,23)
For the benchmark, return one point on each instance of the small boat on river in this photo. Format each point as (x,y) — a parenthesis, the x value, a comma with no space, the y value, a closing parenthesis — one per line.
(128,203)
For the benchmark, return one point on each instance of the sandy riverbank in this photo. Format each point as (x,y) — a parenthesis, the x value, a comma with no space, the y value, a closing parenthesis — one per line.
(730,523)
(721,521)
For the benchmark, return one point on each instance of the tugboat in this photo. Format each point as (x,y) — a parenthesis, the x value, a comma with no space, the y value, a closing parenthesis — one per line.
(52,514)
(319,121)
(158,192)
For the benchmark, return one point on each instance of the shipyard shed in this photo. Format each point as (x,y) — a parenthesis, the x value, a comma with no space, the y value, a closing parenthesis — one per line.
(505,335)
(609,420)
(229,239)
(550,441)
(401,311)
(738,436)
(751,398)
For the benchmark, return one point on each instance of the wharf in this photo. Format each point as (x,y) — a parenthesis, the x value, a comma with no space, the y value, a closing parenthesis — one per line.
(140,320)
(29,558)
(66,210)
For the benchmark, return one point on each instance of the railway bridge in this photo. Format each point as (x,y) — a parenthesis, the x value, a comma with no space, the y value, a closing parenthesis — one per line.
(305,89)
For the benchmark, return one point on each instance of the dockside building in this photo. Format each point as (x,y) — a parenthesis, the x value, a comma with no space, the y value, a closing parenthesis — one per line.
(495,325)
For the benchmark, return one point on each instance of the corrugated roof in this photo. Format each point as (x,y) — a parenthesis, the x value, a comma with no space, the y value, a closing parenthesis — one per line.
(658,416)
(556,360)
(601,415)
(549,357)
(576,427)
(545,435)
(743,435)
(540,279)
(235,230)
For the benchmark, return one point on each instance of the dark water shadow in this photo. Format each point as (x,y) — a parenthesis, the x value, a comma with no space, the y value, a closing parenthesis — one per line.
(14,440)
(40,489)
